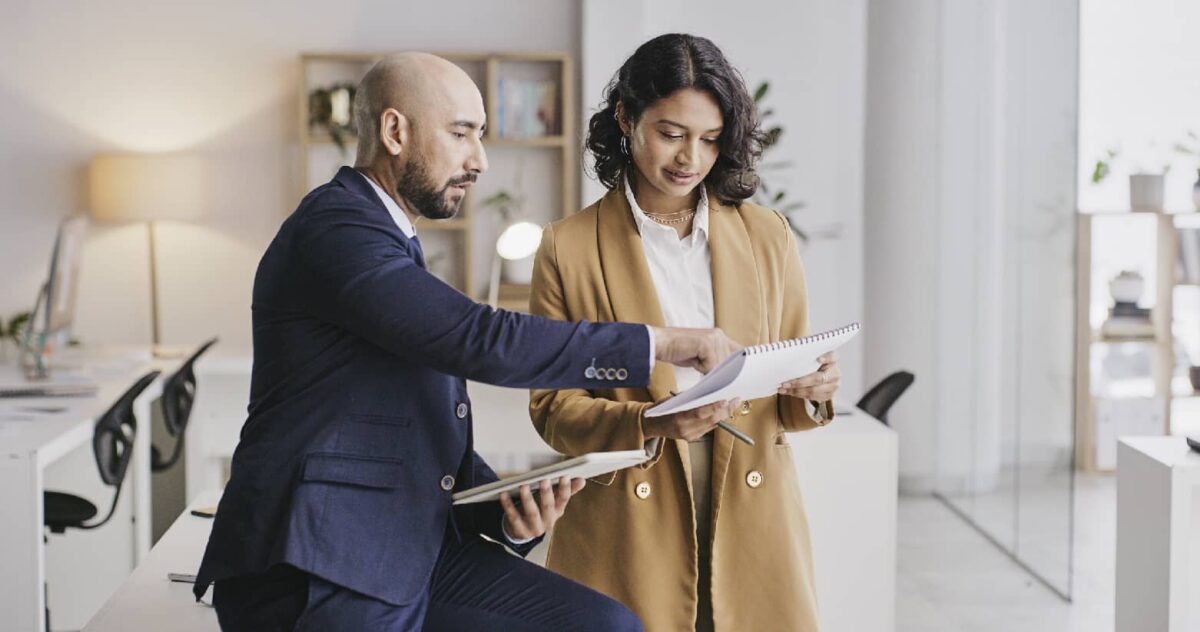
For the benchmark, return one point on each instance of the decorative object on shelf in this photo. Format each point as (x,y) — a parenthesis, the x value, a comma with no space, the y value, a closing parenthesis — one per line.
(1146,192)
(1190,146)
(526,109)
(1188,255)
(149,188)
(1104,165)
(1125,318)
(331,110)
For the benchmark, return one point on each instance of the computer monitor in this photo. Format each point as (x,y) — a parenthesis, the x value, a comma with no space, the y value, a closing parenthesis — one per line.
(54,310)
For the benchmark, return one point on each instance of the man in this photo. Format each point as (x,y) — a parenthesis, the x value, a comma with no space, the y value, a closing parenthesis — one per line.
(338,512)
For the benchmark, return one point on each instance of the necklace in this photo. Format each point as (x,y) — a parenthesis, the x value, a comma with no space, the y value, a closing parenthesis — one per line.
(677,217)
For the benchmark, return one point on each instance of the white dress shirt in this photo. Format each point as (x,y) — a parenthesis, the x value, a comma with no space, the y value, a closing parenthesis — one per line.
(682,273)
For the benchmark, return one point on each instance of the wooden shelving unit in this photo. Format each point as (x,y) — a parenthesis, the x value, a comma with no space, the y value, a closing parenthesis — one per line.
(1161,346)
(458,241)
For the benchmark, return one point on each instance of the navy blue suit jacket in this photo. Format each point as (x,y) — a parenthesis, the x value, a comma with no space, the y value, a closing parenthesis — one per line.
(359,426)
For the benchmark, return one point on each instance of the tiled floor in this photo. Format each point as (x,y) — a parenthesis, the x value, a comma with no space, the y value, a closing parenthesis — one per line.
(951,579)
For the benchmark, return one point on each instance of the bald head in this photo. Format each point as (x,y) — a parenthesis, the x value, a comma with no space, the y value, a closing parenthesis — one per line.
(423,88)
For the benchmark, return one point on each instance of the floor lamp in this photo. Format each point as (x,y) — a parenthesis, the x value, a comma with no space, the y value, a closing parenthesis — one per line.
(148,188)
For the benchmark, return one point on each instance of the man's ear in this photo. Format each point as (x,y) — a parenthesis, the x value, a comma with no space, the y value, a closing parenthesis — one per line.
(393,131)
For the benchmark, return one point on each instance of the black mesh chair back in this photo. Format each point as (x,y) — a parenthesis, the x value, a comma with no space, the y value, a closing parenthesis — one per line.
(179,393)
(880,398)
(112,445)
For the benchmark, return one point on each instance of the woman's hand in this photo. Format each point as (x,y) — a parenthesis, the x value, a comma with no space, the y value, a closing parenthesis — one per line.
(536,516)
(690,425)
(818,386)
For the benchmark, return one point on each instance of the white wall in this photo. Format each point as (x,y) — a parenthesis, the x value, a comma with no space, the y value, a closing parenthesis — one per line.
(814,54)
(1139,90)
(218,78)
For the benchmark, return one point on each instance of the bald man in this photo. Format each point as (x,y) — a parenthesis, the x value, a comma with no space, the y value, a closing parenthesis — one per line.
(338,513)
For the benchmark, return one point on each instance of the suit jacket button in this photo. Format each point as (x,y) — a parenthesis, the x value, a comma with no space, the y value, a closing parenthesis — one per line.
(754,478)
(461,410)
(745,408)
(622,374)
(642,490)
(447,482)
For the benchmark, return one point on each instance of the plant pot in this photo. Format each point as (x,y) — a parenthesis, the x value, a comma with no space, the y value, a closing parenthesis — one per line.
(519,271)
(1146,192)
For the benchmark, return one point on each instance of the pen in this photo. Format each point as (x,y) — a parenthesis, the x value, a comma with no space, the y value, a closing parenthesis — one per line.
(728,427)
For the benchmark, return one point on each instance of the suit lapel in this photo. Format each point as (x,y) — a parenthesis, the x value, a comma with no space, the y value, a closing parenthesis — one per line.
(737,306)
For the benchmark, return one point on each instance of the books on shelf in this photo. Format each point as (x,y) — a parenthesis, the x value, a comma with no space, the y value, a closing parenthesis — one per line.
(526,109)
(1127,320)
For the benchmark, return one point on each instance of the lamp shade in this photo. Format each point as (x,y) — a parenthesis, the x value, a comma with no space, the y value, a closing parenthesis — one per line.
(147,187)
(519,241)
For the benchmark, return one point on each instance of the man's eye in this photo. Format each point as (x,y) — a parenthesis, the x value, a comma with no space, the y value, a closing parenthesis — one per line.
(459,135)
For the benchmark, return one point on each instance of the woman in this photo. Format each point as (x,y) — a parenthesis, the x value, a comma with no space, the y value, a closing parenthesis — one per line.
(710,533)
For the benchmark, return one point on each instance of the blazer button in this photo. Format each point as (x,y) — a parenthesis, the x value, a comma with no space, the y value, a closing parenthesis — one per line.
(745,408)
(622,374)
(461,410)
(447,482)
(754,478)
(642,490)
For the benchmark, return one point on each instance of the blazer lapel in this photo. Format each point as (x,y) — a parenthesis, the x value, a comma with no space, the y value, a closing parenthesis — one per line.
(738,308)
(631,291)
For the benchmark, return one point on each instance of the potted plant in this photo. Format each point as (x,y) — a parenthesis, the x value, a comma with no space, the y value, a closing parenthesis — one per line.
(331,110)
(508,205)
(1145,187)
(14,330)
(1190,146)
(768,194)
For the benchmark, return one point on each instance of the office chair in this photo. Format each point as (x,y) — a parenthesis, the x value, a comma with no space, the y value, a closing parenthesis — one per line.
(880,398)
(179,392)
(112,443)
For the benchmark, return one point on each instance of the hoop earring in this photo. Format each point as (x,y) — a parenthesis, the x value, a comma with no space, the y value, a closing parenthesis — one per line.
(625,147)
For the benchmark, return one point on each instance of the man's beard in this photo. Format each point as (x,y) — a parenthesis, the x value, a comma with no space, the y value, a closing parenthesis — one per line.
(426,198)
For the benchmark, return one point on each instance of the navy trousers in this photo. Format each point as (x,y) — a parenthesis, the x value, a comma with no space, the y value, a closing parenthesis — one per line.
(476,585)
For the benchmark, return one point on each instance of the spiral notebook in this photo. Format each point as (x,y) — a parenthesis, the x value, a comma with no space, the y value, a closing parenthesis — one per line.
(757,372)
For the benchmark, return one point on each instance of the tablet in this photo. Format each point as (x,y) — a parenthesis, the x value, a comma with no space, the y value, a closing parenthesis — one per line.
(585,466)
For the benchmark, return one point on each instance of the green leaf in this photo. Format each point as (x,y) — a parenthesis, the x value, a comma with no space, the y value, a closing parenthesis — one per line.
(761,91)
(794,206)
(778,196)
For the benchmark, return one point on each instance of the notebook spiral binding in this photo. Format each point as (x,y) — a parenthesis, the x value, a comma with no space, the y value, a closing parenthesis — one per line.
(784,344)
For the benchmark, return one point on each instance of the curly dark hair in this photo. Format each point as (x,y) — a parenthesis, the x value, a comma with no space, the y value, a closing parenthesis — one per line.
(656,70)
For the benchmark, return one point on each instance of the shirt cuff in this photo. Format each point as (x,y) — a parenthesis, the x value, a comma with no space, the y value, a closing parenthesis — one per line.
(650,334)
(512,540)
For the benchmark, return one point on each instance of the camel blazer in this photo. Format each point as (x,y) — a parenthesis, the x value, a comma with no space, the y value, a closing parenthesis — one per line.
(633,535)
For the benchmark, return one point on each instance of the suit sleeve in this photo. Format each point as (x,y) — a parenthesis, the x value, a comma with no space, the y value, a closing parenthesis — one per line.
(573,421)
(796,413)
(366,281)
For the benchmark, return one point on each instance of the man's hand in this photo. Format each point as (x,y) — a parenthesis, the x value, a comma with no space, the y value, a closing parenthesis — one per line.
(538,515)
(818,386)
(690,425)
(700,349)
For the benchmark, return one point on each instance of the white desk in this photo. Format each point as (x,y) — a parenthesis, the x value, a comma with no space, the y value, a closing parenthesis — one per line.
(1158,535)
(848,475)
(148,600)
(33,442)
